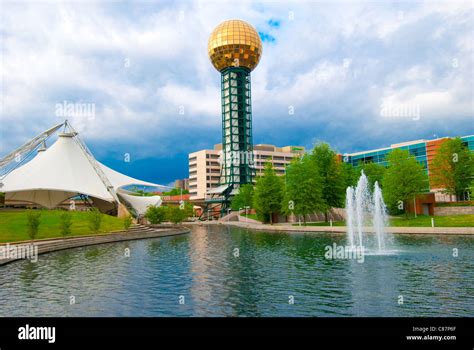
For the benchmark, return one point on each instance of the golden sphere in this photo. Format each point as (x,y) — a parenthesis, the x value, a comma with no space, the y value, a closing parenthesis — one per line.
(234,43)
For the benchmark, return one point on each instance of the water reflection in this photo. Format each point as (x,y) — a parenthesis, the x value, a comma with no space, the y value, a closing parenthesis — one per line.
(223,271)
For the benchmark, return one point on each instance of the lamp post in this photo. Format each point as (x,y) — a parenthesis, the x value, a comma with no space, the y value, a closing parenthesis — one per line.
(246,218)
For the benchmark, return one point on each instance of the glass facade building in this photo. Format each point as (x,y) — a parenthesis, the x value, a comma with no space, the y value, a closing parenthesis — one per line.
(418,150)
(469,142)
(423,150)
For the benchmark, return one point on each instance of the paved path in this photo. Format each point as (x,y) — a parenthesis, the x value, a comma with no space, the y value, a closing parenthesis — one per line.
(342,229)
(51,245)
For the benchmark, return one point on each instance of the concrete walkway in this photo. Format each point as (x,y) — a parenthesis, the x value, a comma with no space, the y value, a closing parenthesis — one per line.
(342,229)
(134,233)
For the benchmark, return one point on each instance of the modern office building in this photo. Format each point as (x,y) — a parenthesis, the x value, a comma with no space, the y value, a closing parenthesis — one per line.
(205,165)
(423,150)
(182,184)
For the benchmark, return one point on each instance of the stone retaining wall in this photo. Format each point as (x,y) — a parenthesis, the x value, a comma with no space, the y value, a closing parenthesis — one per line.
(288,228)
(134,233)
(445,211)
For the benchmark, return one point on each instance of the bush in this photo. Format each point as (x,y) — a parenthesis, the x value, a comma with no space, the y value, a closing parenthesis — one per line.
(156,215)
(33,223)
(176,215)
(127,222)
(65,222)
(95,220)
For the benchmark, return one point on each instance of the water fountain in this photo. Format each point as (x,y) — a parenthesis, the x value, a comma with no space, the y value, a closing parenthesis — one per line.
(350,214)
(365,208)
(379,219)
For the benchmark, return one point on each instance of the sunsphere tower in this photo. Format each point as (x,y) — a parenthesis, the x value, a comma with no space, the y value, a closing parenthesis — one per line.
(235,49)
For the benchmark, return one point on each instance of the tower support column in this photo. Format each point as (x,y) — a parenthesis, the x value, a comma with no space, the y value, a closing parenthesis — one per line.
(237,144)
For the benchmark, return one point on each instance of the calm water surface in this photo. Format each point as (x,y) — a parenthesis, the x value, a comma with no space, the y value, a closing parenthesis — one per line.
(270,267)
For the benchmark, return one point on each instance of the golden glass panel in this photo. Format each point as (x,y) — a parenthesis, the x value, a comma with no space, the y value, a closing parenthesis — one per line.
(234,39)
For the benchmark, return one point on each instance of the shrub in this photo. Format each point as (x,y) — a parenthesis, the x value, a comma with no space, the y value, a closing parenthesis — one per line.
(176,215)
(65,222)
(156,215)
(33,223)
(95,220)
(127,222)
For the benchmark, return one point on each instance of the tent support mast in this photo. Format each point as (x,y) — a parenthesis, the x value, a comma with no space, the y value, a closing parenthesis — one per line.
(93,162)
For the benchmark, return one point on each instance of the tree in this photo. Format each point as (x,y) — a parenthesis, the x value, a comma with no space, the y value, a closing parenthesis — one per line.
(33,222)
(268,194)
(95,220)
(156,215)
(403,180)
(142,193)
(302,190)
(333,180)
(373,171)
(244,198)
(351,174)
(175,192)
(453,168)
(65,223)
(127,222)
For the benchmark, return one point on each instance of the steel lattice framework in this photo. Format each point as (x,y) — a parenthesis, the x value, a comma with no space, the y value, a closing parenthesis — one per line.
(237,144)
(32,144)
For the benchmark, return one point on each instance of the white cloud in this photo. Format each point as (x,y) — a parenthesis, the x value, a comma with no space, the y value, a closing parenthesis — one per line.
(139,63)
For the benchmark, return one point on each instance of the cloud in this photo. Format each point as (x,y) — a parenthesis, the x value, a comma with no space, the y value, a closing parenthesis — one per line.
(145,68)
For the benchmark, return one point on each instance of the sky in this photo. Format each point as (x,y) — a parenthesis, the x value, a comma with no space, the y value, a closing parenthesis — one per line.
(134,78)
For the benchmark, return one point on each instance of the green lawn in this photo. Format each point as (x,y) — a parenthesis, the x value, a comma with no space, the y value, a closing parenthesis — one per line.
(439,221)
(13,226)
(250,216)
(411,221)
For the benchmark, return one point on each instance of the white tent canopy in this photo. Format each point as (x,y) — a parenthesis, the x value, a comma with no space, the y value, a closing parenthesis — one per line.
(64,170)
(140,204)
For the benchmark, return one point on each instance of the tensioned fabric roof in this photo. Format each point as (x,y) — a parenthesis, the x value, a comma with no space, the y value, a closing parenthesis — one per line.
(61,172)
(140,204)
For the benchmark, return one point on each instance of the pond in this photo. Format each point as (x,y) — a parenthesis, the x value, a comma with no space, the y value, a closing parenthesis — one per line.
(225,271)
